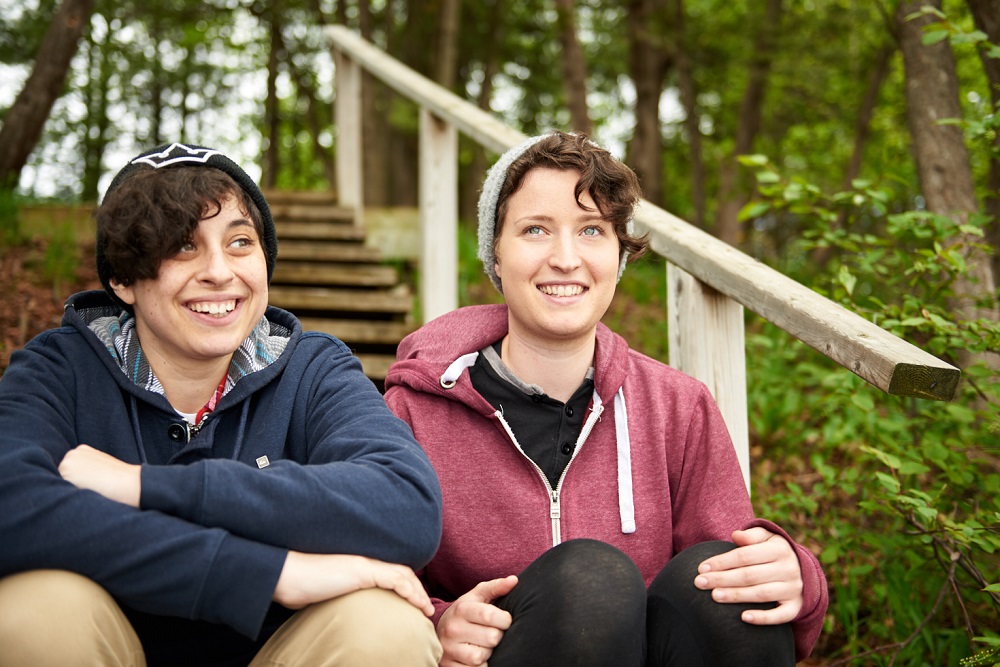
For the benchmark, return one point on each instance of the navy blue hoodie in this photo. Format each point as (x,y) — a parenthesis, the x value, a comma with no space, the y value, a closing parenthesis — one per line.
(208,544)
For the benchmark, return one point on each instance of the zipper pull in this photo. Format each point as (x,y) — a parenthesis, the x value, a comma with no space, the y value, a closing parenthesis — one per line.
(554,505)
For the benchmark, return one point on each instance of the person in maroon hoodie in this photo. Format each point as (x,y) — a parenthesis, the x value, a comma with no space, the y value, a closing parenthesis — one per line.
(594,509)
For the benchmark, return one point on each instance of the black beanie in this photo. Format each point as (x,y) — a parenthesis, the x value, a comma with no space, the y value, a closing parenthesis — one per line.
(195,156)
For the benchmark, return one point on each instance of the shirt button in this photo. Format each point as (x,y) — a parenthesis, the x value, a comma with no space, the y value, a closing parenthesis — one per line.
(537,398)
(569,410)
(176,432)
(567,448)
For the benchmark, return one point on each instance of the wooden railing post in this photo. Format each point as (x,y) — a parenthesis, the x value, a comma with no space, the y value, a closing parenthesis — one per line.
(347,114)
(438,216)
(706,341)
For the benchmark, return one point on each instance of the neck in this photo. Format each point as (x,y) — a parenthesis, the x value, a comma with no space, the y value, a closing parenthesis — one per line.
(558,369)
(189,387)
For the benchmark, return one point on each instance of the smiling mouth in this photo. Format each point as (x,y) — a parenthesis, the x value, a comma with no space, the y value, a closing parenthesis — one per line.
(561,290)
(213,308)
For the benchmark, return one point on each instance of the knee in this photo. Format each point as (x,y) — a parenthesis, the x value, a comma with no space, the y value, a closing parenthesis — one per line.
(378,627)
(53,617)
(589,565)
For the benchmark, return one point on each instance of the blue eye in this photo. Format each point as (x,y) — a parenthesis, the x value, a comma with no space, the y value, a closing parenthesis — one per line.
(592,231)
(533,230)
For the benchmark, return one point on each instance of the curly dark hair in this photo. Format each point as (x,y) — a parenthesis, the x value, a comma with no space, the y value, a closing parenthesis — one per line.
(612,185)
(154,212)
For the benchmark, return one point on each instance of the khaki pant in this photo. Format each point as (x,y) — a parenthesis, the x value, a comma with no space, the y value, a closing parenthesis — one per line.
(57,618)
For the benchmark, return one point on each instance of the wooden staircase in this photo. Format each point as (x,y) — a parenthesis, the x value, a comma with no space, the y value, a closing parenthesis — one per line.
(334,283)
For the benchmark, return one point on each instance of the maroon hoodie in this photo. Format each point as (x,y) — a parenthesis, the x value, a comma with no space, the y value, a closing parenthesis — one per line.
(654,470)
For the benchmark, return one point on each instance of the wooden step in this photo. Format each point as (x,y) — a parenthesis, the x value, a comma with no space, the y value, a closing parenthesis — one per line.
(306,212)
(376,366)
(320,231)
(355,332)
(319,197)
(343,300)
(328,273)
(326,252)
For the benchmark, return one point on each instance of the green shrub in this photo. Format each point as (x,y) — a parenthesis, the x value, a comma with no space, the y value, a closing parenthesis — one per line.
(903,493)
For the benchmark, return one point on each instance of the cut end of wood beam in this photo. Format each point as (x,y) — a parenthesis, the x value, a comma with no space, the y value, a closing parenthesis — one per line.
(936,383)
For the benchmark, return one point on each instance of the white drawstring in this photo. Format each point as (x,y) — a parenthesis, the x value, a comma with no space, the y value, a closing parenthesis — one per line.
(454,371)
(626,504)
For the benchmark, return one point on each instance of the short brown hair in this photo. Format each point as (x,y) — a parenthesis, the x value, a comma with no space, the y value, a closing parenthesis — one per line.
(154,212)
(612,185)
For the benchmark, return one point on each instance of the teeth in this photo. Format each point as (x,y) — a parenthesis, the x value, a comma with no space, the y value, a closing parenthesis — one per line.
(561,290)
(213,308)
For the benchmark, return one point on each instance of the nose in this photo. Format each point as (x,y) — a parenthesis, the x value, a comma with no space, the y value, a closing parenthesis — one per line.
(215,268)
(565,255)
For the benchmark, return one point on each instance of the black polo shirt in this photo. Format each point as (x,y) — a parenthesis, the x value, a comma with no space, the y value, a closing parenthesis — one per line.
(546,429)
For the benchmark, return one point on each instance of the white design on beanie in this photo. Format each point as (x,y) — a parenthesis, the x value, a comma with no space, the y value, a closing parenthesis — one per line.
(176,153)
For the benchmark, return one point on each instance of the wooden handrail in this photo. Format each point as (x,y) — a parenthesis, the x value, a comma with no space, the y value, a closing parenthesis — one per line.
(708,281)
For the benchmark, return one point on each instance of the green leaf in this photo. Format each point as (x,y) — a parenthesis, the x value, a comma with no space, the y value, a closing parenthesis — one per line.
(756,160)
(847,279)
(934,36)
(754,210)
(767,177)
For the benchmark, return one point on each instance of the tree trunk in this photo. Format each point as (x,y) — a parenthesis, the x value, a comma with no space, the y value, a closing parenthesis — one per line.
(862,129)
(447,56)
(943,166)
(574,67)
(95,129)
(689,100)
(271,120)
(987,17)
(24,121)
(648,64)
(469,199)
(731,196)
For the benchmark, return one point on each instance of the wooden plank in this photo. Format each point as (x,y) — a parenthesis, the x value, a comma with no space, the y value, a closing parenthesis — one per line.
(327,252)
(877,356)
(360,331)
(347,111)
(707,342)
(294,212)
(323,231)
(376,366)
(347,300)
(476,123)
(323,273)
(438,216)
(313,197)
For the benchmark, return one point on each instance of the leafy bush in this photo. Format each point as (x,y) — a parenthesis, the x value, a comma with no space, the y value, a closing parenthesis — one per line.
(903,493)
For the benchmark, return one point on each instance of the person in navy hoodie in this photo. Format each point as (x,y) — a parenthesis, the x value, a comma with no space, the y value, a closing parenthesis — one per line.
(595,513)
(188,478)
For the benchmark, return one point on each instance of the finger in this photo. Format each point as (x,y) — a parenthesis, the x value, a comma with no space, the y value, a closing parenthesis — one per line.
(482,613)
(488,591)
(783,613)
(755,535)
(465,654)
(408,588)
(483,636)
(758,553)
(780,571)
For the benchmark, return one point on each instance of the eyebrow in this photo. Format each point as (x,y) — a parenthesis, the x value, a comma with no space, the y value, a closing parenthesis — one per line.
(239,222)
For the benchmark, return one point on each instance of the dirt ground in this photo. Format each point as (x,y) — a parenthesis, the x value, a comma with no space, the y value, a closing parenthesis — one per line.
(31,303)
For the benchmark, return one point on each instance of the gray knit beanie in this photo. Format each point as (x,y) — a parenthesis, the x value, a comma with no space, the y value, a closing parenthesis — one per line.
(489,198)
(174,155)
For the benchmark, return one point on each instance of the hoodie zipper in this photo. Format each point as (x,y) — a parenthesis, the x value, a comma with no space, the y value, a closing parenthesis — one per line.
(555,512)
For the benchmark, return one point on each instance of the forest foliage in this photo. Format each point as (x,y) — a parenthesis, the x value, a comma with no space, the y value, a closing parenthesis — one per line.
(785,127)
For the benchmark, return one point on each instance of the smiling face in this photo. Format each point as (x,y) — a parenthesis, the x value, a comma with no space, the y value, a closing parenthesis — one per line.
(557,261)
(207,298)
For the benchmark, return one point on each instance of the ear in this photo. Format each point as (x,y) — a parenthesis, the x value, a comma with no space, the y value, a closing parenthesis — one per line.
(126,294)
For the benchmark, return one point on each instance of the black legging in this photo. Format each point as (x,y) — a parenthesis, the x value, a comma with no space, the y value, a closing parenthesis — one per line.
(584,604)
